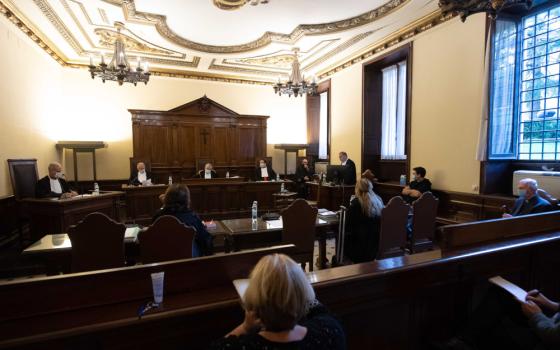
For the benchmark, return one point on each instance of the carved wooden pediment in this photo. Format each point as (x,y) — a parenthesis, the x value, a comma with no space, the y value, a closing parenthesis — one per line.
(204,105)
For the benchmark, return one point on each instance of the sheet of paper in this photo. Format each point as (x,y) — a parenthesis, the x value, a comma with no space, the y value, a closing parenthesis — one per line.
(241,286)
(321,221)
(272,224)
(131,232)
(511,288)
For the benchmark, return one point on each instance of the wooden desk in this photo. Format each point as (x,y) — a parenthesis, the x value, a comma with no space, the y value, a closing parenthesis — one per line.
(211,198)
(330,197)
(52,216)
(242,234)
(55,251)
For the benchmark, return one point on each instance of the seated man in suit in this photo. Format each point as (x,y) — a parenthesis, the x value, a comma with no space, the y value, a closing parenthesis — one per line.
(264,172)
(53,185)
(349,168)
(417,186)
(529,202)
(141,176)
(207,173)
(304,173)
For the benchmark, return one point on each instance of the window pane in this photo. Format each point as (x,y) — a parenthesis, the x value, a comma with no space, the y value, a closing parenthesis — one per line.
(538,128)
(393,119)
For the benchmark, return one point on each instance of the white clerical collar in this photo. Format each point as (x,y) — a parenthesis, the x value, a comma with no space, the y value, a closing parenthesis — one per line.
(344,163)
(264,172)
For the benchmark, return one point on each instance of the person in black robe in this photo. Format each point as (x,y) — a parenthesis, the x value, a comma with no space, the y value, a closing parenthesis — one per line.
(304,173)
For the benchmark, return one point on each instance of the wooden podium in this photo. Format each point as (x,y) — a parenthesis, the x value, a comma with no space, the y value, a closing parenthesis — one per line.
(52,216)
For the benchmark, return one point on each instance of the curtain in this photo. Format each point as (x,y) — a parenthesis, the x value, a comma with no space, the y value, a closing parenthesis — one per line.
(323,124)
(503,91)
(393,114)
(481,148)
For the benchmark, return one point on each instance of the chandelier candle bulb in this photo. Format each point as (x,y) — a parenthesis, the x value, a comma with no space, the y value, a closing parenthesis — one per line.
(90,60)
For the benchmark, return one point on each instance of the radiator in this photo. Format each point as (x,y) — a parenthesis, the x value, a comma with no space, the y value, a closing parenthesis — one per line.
(547,180)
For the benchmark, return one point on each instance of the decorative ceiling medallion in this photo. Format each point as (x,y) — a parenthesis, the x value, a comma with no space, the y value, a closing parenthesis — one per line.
(108,37)
(236,4)
(160,22)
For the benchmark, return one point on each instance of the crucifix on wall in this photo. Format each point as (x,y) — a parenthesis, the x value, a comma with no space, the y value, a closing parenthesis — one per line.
(204,133)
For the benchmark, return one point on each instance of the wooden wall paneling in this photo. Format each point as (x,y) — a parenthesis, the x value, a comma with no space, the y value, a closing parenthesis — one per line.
(202,128)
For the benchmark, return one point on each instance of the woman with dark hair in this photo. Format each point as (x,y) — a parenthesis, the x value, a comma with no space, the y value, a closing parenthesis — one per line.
(177,203)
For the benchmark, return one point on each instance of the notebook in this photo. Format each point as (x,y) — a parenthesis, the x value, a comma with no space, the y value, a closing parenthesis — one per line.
(509,287)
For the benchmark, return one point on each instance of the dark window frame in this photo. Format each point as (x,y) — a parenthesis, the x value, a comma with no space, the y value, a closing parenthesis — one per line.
(384,169)
(313,121)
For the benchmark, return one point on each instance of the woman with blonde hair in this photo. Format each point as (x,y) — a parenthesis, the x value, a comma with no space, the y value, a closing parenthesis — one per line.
(363,223)
(281,312)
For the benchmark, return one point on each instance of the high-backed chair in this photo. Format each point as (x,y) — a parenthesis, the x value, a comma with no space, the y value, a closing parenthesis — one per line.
(424,211)
(548,197)
(298,222)
(97,243)
(393,233)
(24,177)
(134,161)
(167,239)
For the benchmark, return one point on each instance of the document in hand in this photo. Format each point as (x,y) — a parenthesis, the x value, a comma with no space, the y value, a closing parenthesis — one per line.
(509,287)
(241,286)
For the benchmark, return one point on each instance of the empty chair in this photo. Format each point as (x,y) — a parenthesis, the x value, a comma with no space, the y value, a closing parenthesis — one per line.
(97,243)
(299,221)
(423,222)
(394,222)
(166,239)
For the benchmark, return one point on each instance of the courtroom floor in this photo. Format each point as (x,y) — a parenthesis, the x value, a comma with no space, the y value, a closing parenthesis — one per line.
(330,252)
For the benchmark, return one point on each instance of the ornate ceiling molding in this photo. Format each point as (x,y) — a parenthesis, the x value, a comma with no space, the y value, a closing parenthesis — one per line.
(31,34)
(388,43)
(108,37)
(229,4)
(160,22)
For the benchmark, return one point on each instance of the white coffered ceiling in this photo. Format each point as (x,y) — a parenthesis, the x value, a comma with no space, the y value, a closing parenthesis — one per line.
(196,37)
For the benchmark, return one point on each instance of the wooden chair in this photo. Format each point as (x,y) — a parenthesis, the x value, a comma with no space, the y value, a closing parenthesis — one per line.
(298,222)
(97,243)
(393,233)
(167,239)
(424,211)
(24,177)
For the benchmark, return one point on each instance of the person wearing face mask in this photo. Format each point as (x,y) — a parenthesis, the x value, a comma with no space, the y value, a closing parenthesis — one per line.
(53,185)
(529,202)
(417,186)
(264,172)
(304,173)
(141,176)
(207,173)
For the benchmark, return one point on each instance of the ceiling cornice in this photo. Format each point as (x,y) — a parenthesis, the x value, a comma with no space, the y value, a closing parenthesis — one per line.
(160,22)
(388,43)
(405,34)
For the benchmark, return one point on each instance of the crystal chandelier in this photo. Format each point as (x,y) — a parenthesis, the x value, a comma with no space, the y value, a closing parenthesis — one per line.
(118,68)
(296,84)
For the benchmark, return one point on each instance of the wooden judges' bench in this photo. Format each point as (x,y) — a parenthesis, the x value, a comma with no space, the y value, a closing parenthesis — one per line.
(398,303)
(53,215)
(210,198)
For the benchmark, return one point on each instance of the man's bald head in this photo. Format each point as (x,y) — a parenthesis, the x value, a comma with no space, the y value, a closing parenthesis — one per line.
(54,168)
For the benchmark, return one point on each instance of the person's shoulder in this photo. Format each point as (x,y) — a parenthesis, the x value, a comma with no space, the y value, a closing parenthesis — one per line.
(43,179)
(428,182)
(324,330)
(245,342)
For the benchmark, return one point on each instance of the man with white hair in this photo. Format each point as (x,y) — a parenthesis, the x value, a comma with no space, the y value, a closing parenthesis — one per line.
(529,202)
(53,185)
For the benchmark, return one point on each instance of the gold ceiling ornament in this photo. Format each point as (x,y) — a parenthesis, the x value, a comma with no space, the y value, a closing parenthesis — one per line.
(107,39)
(236,4)
(160,22)
(281,61)
(403,35)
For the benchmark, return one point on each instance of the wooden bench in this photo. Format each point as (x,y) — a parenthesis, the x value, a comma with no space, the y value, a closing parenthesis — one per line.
(454,237)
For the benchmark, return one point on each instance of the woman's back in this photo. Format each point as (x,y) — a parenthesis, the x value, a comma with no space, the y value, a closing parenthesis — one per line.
(323,332)
(362,233)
